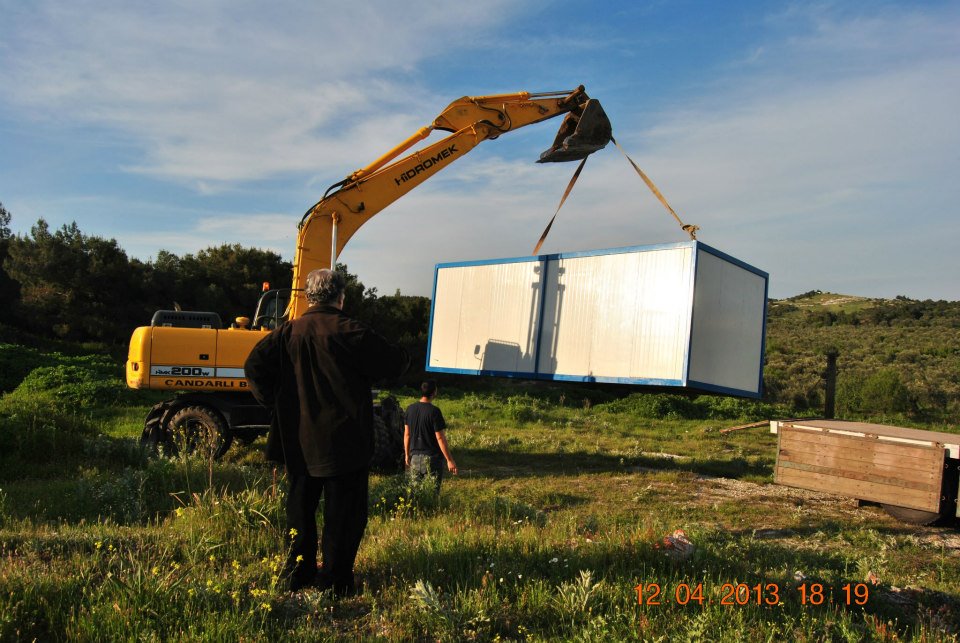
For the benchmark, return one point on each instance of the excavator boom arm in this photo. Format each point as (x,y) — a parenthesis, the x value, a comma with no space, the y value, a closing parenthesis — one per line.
(328,225)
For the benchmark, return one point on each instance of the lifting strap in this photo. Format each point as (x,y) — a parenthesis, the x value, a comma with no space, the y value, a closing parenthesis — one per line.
(566,193)
(688,228)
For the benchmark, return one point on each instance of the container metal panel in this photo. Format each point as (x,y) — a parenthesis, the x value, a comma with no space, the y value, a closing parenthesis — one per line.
(617,316)
(726,346)
(678,315)
(485,317)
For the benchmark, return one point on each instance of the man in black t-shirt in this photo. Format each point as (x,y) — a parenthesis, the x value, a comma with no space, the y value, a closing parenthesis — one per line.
(424,443)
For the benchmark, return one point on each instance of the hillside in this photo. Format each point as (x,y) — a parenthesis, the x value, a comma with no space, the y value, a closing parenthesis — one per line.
(902,354)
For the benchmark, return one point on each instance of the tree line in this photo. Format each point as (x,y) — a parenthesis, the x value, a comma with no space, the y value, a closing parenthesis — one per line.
(896,356)
(66,285)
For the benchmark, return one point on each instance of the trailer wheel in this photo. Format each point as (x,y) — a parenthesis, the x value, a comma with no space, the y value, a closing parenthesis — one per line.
(912,516)
(199,429)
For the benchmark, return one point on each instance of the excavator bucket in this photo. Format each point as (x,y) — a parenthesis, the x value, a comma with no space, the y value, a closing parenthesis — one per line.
(580,136)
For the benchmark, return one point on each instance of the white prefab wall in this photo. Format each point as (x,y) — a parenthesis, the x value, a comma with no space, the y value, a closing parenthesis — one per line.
(484,317)
(727,340)
(623,316)
(677,315)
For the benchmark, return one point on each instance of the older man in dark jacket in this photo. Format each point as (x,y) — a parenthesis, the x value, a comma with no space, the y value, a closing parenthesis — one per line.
(315,373)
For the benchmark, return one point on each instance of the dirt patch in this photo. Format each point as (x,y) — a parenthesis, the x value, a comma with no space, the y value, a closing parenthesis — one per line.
(824,505)
(740,489)
(948,539)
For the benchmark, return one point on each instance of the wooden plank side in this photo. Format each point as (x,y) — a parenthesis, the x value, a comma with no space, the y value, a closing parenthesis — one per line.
(926,486)
(855,457)
(819,439)
(863,457)
(917,478)
(911,470)
(861,467)
(882,430)
(861,454)
(859,489)
(858,448)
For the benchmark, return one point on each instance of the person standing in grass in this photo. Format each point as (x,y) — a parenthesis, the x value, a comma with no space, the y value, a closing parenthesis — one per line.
(315,373)
(424,442)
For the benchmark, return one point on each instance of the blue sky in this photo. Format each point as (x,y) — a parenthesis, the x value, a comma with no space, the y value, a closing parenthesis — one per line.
(819,141)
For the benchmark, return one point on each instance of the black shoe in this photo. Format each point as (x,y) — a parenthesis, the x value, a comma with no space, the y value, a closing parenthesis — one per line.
(296,584)
(347,590)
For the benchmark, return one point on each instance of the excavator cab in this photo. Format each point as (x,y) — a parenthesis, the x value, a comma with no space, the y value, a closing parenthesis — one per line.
(582,133)
(272,308)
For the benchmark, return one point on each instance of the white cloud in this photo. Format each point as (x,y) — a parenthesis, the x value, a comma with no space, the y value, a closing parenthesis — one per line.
(267,231)
(833,162)
(218,92)
(824,151)
(828,159)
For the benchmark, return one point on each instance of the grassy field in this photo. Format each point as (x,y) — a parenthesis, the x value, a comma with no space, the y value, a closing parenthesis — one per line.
(567,502)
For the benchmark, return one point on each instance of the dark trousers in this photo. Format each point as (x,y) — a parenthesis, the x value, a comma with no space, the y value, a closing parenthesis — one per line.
(423,465)
(344,521)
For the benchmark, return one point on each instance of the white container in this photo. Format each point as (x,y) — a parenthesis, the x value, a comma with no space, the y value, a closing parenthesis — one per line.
(680,315)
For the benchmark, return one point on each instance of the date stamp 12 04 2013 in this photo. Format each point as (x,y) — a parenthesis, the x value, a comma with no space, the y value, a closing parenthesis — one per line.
(743,594)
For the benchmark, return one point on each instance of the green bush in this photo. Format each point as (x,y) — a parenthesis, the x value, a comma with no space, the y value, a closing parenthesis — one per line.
(885,392)
(523,408)
(849,400)
(654,406)
(881,393)
(732,408)
(87,383)
(39,431)
(16,362)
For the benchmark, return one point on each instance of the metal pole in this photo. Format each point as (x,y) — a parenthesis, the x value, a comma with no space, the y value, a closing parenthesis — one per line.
(335,219)
(830,375)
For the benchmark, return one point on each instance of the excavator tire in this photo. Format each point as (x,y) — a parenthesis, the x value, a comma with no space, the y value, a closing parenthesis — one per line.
(387,437)
(197,429)
(154,434)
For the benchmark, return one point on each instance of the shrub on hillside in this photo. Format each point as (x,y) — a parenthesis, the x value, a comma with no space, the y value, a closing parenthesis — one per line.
(524,408)
(849,400)
(654,406)
(16,362)
(881,393)
(85,383)
(734,408)
(38,430)
(664,406)
(885,392)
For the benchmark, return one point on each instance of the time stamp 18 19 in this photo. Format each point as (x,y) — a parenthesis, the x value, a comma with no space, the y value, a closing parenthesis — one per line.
(743,594)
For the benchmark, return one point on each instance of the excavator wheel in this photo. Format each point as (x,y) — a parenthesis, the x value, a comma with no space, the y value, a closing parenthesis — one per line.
(199,429)
(154,434)
(190,429)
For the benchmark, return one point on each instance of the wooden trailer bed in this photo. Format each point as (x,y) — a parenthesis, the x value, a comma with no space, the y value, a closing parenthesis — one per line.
(894,466)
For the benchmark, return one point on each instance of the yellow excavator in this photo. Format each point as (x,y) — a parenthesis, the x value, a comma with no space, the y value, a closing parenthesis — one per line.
(191,352)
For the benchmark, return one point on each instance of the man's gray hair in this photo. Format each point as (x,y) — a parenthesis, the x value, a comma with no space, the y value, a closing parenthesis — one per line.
(325,286)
